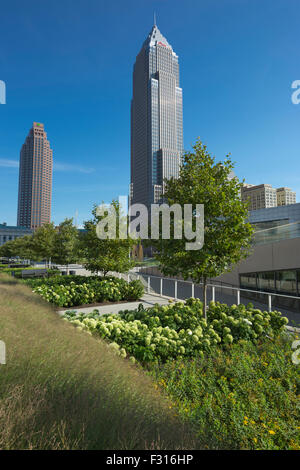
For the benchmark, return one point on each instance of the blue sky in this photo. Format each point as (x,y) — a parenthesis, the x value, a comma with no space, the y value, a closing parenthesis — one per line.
(68,64)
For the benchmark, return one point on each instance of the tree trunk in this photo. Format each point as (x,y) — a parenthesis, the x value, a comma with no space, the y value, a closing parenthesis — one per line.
(204,298)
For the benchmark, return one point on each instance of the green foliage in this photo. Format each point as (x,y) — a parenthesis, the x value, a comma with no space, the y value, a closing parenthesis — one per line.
(47,242)
(21,247)
(134,290)
(245,396)
(65,243)
(105,255)
(68,291)
(42,242)
(227,234)
(164,332)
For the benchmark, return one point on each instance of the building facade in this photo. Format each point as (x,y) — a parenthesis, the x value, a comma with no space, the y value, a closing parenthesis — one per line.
(264,196)
(35,179)
(156,119)
(285,196)
(8,233)
(260,196)
(280,215)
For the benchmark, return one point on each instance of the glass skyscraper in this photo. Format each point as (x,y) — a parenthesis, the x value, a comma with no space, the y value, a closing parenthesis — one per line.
(35,179)
(156,119)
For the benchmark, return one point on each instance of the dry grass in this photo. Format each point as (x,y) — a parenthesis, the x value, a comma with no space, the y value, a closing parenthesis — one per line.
(63,389)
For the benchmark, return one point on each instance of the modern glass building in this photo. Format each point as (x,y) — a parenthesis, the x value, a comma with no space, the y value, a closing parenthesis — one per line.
(156,119)
(35,179)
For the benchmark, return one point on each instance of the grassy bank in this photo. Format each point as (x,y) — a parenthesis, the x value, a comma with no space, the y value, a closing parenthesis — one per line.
(64,389)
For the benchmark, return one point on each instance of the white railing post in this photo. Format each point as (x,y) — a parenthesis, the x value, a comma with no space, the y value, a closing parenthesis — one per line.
(238,297)
(175,295)
(270,303)
(161,286)
(213,293)
(148,284)
(193,289)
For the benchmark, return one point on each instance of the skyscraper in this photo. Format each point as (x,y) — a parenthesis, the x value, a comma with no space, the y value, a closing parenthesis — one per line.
(35,179)
(156,119)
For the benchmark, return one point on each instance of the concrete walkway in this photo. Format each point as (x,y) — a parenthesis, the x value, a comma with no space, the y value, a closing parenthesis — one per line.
(148,300)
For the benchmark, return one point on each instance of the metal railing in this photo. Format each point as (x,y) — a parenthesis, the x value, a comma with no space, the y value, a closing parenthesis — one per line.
(235,291)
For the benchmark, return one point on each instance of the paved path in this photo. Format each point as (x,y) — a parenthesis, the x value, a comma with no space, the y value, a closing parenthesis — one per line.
(148,300)
(184,291)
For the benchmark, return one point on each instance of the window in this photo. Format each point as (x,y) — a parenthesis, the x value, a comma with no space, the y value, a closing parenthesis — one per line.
(286,281)
(248,281)
(266,281)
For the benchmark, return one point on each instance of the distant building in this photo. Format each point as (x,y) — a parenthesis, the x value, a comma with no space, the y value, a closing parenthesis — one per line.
(8,233)
(285,196)
(156,119)
(261,196)
(273,216)
(35,179)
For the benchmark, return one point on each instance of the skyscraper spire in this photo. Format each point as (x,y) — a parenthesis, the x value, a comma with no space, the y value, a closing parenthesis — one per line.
(154,19)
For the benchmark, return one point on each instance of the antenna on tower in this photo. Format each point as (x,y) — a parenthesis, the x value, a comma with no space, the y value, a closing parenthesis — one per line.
(76,218)
(154,15)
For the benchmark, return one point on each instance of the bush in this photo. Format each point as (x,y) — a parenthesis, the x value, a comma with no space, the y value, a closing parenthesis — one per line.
(70,291)
(176,331)
(135,290)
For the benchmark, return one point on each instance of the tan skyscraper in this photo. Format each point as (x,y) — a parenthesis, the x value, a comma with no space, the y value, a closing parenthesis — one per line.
(260,196)
(285,196)
(35,179)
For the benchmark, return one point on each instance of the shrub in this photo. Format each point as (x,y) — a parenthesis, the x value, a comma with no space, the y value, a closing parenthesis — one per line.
(70,291)
(176,331)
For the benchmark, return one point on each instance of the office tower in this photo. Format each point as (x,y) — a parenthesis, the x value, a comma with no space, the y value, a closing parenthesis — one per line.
(260,196)
(35,179)
(156,119)
(285,196)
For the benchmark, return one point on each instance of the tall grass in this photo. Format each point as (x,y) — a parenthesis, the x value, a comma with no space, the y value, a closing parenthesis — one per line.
(63,389)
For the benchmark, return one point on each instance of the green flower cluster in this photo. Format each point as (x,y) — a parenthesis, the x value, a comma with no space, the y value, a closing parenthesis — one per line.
(241,322)
(178,330)
(70,292)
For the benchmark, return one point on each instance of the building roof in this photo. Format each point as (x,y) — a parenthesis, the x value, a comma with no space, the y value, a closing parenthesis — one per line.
(13,227)
(155,37)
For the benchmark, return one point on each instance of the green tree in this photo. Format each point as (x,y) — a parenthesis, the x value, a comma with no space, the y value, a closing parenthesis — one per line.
(227,234)
(21,247)
(24,247)
(104,255)
(65,244)
(43,242)
(8,249)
